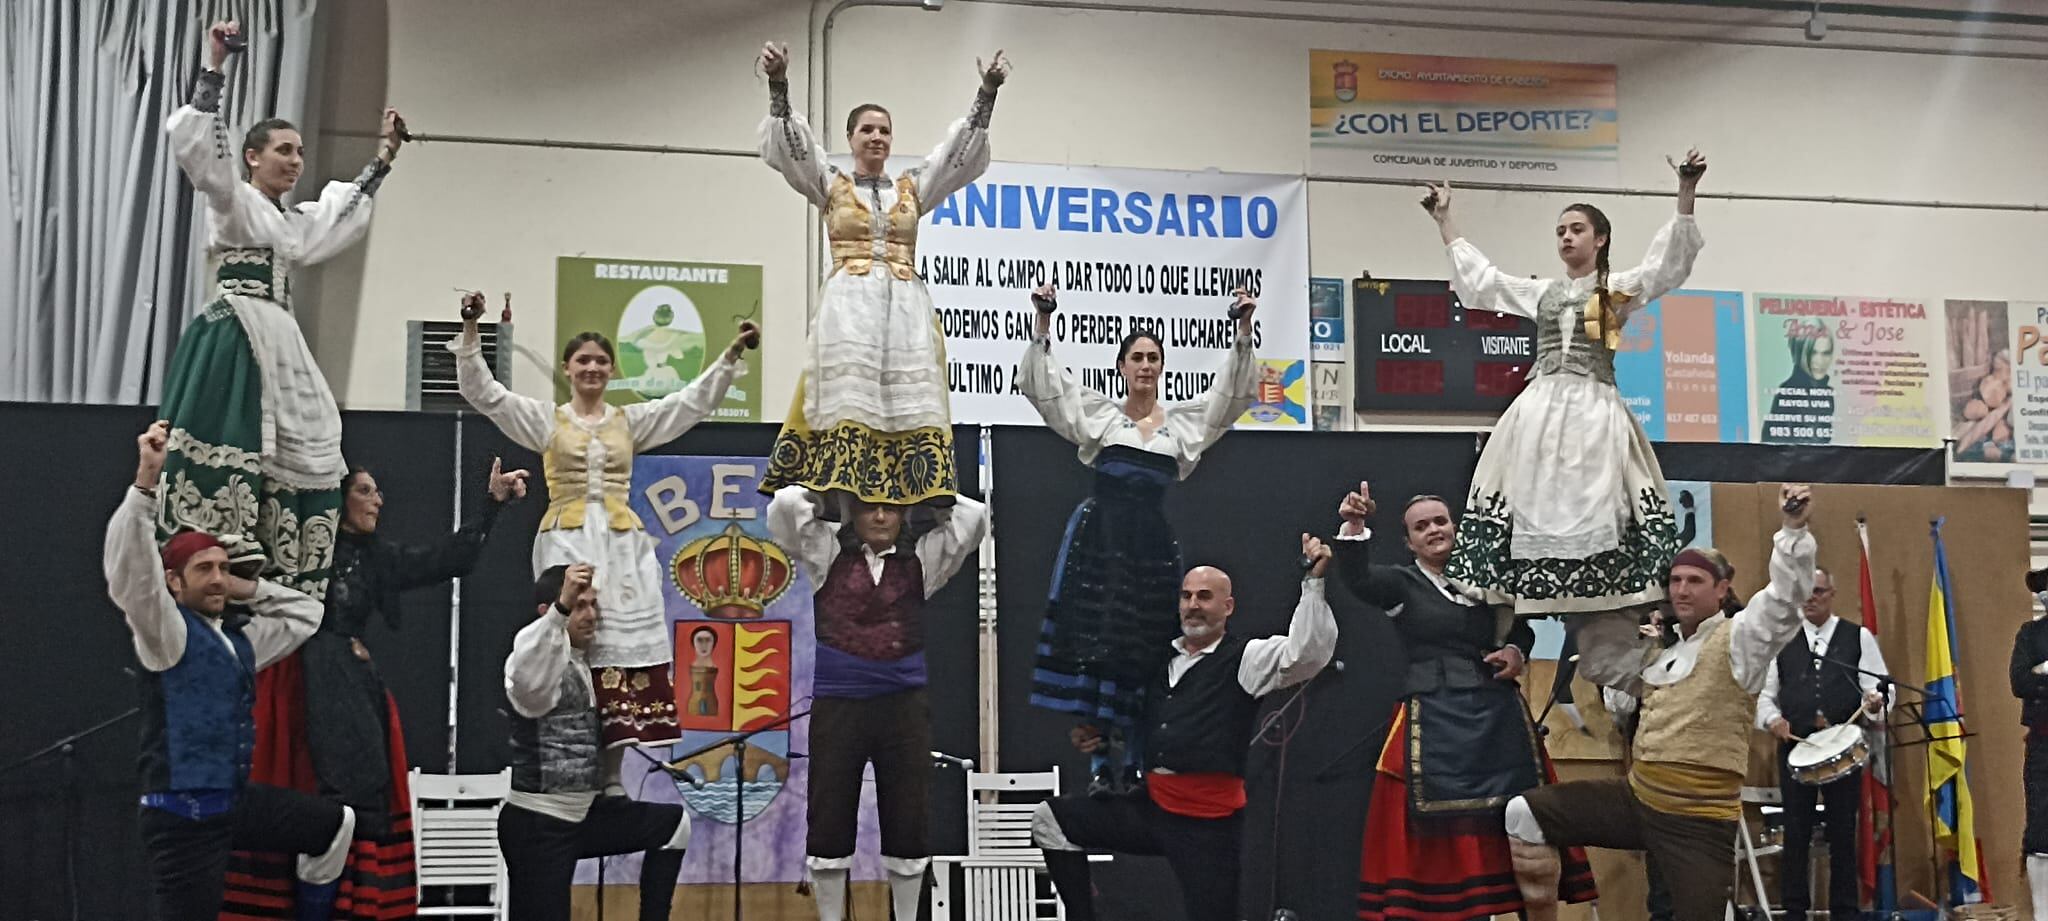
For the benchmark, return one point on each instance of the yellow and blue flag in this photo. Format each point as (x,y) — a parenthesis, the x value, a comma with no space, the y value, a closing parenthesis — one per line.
(1948,786)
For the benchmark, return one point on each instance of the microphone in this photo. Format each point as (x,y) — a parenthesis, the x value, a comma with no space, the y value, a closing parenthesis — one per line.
(946,760)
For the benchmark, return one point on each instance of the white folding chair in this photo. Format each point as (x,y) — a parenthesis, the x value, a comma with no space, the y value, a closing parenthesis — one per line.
(1747,850)
(1003,873)
(455,839)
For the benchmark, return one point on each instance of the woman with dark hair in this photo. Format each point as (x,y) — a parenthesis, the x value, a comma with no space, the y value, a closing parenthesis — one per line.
(1803,407)
(1460,742)
(255,441)
(870,417)
(1568,511)
(1111,614)
(326,724)
(587,448)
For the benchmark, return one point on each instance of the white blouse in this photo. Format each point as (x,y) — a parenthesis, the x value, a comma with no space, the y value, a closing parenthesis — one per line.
(302,234)
(794,523)
(788,145)
(1090,419)
(1481,286)
(530,422)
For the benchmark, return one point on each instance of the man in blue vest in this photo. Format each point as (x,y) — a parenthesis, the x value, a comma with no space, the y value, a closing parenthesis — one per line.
(198,731)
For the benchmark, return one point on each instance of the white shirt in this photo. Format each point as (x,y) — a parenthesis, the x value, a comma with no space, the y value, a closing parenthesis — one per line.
(792,149)
(1091,420)
(135,580)
(1761,629)
(302,234)
(1274,662)
(1665,266)
(541,654)
(794,523)
(1869,658)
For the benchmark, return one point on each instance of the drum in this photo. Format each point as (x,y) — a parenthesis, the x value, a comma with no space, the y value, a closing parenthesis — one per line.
(1828,755)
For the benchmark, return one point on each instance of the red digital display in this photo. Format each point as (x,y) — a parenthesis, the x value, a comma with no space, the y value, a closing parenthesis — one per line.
(1409,377)
(1498,378)
(1422,311)
(1488,321)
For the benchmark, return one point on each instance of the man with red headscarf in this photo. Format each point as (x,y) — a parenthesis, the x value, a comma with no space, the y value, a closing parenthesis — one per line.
(198,732)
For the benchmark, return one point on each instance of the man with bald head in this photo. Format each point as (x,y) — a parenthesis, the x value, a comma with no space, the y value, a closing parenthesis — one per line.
(1188,808)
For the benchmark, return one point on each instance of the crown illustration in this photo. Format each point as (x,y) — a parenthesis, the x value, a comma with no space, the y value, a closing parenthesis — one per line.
(731,575)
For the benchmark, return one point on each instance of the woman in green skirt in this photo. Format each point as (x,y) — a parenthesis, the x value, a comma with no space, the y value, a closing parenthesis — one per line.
(255,440)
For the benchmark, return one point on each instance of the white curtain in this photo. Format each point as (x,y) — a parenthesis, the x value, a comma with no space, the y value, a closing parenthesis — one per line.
(101,258)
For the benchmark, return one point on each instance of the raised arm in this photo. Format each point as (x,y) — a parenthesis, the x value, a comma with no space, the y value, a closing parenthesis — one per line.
(134,566)
(664,420)
(787,143)
(533,672)
(1665,266)
(1275,662)
(942,550)
(1379,586)
(1772,617)
(794,523)
(1479,284)
(963,155)
(1212,414)
(1078,413)
(525,420)
(199,141)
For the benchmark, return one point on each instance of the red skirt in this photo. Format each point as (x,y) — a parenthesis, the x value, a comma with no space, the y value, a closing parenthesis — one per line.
(379,882)
(1442,869)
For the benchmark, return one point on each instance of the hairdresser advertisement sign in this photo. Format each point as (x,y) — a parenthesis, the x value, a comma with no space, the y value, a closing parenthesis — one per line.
(1681,367)
(1847,371)
(1411,116)
(667,320)
(1128,249)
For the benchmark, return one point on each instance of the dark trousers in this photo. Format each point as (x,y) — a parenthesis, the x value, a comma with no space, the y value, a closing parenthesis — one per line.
(1202,852)
(894,731)
(1843,801)
(2034,784)
(188,860)
(1694,856)
(541,853)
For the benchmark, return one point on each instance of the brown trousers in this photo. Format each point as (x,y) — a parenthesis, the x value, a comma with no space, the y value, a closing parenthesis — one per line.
(1696,856)
(894,732)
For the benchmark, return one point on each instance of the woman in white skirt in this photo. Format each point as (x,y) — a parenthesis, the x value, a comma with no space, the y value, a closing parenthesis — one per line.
(1568,511)
(587,448)
(870,417)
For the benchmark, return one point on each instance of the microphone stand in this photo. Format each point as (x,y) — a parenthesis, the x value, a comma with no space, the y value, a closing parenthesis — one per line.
(67,747)
(739,750)
(1916,714)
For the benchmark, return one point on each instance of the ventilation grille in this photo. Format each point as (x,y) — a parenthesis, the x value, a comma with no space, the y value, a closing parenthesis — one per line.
(430,367)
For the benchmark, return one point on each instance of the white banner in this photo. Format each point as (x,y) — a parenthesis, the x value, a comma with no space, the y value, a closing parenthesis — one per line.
(1126,247)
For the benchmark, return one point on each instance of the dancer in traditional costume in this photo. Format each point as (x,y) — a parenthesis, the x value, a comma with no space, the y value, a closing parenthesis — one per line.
(2029,677)
(871,417)
(326,724)
(1568,511)
(255,443)
(1460,743)
(1110,613)
(871,576)
(587,448)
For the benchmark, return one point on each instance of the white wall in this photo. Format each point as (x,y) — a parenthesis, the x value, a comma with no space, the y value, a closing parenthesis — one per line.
(1113,88)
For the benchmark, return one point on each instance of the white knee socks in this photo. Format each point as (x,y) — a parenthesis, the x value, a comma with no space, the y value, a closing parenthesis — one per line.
(905,891)
(829,888)
(2037,880)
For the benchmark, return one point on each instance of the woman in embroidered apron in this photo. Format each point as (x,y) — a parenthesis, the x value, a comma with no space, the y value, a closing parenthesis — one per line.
(870,415)
(327,725)
(1568,511)
(255,443)
(587,448)
(1460,743)
(1112,611)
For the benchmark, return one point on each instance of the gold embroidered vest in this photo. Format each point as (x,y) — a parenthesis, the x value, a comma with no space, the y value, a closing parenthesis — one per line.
(850,224)
(1699,726)
(566,464)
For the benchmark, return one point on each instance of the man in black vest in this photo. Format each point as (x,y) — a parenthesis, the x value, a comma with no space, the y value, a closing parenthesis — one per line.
(554,814)
(2029,675)
(1809,687)
(198,728)
(1189,808)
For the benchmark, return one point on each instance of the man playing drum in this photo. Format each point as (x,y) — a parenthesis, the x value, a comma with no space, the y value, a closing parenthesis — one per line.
(1813,695)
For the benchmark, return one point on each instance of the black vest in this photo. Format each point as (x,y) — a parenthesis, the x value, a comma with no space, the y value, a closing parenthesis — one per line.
(1443,641)
(1204,723)
(1807,685)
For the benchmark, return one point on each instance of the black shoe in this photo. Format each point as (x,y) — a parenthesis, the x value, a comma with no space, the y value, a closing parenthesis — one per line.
(1103,785)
